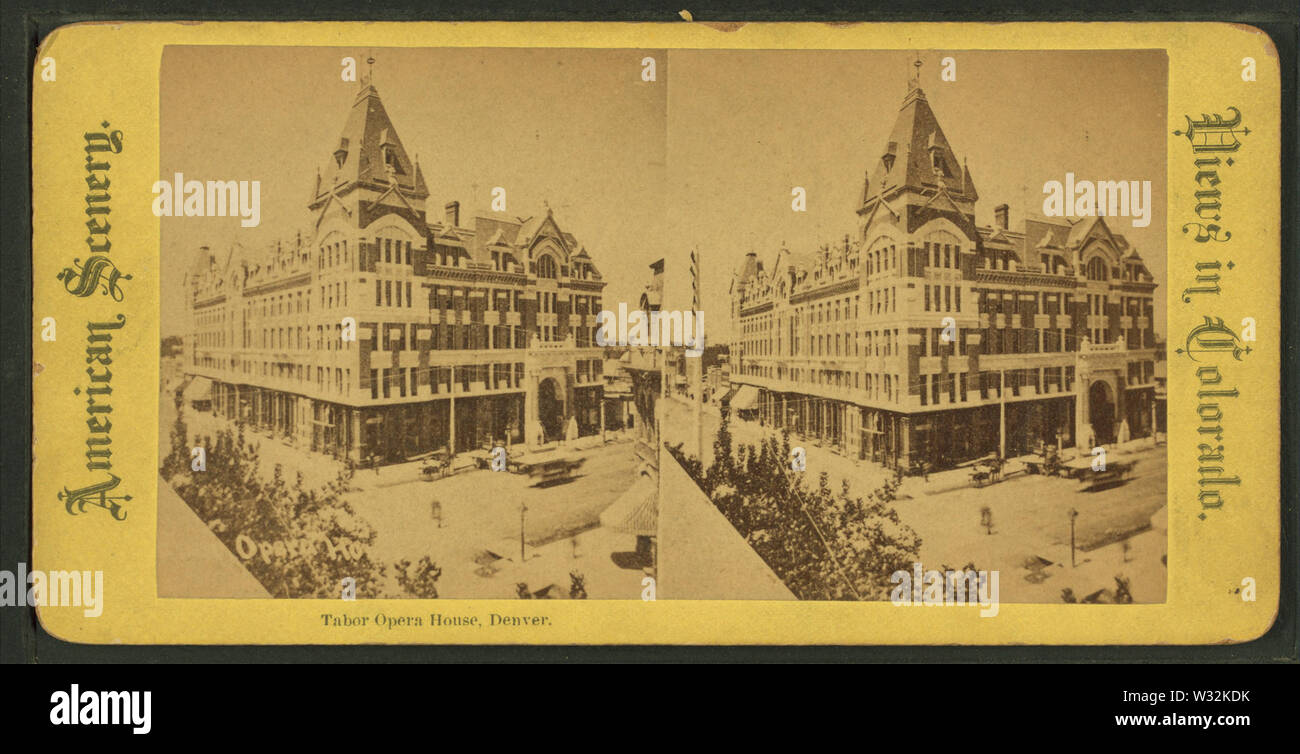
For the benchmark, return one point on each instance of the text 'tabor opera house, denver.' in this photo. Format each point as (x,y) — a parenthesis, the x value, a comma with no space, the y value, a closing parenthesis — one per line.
(465,335)
(929,339)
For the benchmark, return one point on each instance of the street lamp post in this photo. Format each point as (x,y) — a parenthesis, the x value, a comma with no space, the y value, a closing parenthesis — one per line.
(1073,515)
(1002,413)
(523,508)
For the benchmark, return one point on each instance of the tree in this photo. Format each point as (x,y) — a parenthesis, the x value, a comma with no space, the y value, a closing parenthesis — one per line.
(1122,594)
(305,542)
(420,580)
(178,460)
(172,345)
(577,585)
(822,543)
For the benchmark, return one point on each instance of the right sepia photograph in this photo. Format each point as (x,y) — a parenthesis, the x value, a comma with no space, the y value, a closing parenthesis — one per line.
(934,364)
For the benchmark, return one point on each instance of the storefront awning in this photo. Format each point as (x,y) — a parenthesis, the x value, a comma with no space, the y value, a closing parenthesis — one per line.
(745,399)
(635,511)
(199,389)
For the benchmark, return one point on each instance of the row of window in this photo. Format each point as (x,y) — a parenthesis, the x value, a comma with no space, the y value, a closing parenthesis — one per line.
(943,298)
(944,255)
(394,251)
(333,255)
(389,293)
(960,387)
(401,382)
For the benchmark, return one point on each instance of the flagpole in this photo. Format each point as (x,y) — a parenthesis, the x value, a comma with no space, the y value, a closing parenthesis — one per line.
(699,383)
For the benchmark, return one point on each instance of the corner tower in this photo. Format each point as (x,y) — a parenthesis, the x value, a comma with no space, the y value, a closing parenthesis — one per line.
(917,176)
(370,172)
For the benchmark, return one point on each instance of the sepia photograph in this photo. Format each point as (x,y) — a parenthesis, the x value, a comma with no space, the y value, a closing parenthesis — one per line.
(381,278)
(692,335)
(936,355)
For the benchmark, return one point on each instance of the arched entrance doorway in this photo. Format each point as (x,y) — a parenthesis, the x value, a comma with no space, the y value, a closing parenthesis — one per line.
(1101,412)
(550,409)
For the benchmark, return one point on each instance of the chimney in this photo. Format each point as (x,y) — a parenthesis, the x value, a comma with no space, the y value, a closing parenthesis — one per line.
(453,214)
(1001,215)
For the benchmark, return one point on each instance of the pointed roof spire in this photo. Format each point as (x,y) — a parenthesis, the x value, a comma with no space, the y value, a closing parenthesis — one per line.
(370,151)
(917,154)
(968,183)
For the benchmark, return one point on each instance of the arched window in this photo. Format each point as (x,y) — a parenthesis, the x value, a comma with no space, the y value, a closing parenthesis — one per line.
(1097,270)
(546,267)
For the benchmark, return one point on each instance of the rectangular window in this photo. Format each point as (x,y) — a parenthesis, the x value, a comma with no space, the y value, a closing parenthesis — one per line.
(388,293)
(927,298)
(374,383)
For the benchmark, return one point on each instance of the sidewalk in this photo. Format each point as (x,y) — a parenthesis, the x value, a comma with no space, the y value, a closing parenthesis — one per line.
(319,469)
(867,476)
(192,562)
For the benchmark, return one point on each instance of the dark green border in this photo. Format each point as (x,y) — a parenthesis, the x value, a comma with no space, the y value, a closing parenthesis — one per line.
(22,640)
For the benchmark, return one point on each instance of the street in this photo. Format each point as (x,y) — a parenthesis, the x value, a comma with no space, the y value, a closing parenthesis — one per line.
(477,545)
(1030,539)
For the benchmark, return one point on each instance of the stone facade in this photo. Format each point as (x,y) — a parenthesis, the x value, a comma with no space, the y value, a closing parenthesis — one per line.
(466,335)
(928,339)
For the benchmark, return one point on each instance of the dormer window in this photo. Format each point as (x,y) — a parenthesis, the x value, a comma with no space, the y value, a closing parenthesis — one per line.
(341,154)
(1097,269)
(888,156)
(391,160)
(937,162)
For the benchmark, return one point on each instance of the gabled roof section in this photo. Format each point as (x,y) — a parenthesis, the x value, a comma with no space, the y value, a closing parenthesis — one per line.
(1041,230)
(1088,227)
(748,268)
(942,201)
(869,213)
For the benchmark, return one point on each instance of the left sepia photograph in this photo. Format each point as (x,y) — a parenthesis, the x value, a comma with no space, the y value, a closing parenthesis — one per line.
(382,276)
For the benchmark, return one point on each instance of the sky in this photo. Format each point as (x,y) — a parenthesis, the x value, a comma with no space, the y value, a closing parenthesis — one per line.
(578,129)
(745,127)
(702,158)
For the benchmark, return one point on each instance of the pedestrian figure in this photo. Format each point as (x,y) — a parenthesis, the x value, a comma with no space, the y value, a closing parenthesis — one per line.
(435,509)
(374,463)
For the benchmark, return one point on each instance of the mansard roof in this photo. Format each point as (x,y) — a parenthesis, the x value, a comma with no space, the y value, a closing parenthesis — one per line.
(518,234)
(1065,236)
